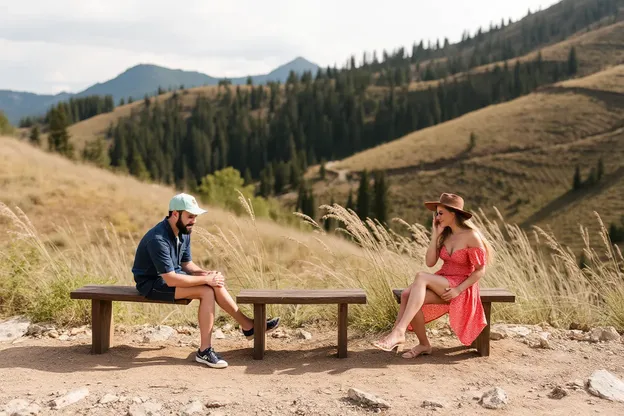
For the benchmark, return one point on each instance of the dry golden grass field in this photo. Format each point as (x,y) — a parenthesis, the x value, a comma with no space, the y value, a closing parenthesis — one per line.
(66,225)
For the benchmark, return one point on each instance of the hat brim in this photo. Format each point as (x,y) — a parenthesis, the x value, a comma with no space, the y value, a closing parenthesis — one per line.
(433,205)
(196,211)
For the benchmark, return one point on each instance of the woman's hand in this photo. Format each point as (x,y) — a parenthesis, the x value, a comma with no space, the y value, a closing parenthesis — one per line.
(436,228)
(451,292)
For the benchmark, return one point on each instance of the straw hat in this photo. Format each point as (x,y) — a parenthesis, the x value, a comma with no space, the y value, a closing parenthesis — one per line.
(453,201)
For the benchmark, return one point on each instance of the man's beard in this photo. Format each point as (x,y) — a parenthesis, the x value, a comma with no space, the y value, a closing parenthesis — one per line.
(182,228)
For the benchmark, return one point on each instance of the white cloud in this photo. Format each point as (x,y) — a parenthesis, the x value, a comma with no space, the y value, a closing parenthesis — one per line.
(75,43)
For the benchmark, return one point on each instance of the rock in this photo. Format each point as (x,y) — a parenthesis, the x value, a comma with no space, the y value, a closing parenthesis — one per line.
(367,399)
(218,334)
(575,384)
(21,407)
(70,398)
(498,332)
(185,330)
(13,328)
(64,337)
(605,385)
(279,333)
(558,393)
(145,409)
(109,398)
(605,334)
(195,407)
(227,327)
(36,330)
(609,334)
(158,334)
(53,333)
(77,331)
(215,404)
(304,334)
(495,398)
(431,405)
(521,331)
(578,335)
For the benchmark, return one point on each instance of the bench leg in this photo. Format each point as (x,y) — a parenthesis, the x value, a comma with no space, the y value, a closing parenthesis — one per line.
(101,325)
(482,343)
(259,330)
(343,309)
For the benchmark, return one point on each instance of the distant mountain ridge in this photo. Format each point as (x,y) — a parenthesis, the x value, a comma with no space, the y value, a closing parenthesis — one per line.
(135,82)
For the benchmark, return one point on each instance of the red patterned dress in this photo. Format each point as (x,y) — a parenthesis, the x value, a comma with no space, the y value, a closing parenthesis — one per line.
(466,315)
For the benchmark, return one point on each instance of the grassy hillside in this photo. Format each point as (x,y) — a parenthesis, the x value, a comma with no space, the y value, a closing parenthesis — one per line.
(68,225)
(523,160)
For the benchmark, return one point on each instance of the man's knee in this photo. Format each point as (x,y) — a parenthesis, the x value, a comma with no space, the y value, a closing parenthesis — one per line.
(206,293)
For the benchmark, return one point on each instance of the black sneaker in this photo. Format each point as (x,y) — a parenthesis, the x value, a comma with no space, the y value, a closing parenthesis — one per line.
(210,358)
(271,325)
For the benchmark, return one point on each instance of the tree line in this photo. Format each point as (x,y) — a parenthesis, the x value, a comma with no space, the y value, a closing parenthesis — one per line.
(74,110)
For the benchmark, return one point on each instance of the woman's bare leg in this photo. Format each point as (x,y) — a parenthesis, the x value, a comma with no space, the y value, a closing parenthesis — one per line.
(423,283)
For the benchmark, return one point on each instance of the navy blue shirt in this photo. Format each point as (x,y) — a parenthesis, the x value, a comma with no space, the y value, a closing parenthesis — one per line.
(159,252)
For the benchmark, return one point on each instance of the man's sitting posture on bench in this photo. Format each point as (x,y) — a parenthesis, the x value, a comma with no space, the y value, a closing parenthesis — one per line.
(163,270)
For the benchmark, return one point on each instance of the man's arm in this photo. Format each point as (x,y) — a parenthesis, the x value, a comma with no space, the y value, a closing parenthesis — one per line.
(191,268)
(174,279)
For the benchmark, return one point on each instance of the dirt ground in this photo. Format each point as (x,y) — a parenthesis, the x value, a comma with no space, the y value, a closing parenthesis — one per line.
(304,377)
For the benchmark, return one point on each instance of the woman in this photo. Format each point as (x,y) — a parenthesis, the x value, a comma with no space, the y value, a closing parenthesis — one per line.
(453,289)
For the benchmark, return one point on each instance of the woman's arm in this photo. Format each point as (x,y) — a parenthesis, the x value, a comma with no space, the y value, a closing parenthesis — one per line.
(473,241)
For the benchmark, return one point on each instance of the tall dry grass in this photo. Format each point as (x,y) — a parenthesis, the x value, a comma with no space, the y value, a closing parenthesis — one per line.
(36,277)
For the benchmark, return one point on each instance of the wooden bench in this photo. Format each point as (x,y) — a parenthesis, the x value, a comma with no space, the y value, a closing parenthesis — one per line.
(102,298)
(261,297)
(488,295)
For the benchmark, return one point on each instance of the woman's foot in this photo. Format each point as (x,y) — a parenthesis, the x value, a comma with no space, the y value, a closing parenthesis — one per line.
(418,350)
(391,341)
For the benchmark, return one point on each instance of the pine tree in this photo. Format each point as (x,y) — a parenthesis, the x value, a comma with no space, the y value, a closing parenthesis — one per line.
(577,182)
(600,169)
(34,136)
(363,201)
(350,205)
(572,61)
(381,196)
(58,138)
(247,177)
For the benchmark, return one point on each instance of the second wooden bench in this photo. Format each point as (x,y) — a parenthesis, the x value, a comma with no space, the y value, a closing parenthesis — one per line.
(261,297)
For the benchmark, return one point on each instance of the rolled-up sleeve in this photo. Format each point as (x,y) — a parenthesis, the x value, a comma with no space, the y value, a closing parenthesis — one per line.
(160,255)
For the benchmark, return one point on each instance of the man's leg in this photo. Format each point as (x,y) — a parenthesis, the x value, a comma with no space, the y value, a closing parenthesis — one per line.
(206,311)
(225,302)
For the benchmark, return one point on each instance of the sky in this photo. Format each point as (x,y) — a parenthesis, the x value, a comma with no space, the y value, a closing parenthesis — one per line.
(68,45)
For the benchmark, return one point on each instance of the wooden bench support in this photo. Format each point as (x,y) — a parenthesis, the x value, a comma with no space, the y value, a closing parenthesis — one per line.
(261,297)
(102,298)
(488,295)
(343,311)
(259,330)
(101,325)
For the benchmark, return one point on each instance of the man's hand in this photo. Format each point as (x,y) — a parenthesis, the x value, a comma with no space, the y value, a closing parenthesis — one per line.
(215,279)
(450,293)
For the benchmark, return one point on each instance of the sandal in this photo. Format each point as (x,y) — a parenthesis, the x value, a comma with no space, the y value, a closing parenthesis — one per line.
(416,351)
(385,347)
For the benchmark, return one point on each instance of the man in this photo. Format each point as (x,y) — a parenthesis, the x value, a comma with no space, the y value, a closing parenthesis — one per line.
(164,270)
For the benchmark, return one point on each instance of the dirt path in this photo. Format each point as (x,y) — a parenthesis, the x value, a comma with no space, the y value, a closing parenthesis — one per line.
(304,377)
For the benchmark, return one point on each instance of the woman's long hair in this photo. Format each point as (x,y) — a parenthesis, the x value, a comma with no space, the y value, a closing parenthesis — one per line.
(465,223)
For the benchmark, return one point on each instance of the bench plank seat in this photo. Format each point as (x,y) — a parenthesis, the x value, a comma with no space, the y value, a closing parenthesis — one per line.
(116,293)
(488,295)
(261,297)
(309,296)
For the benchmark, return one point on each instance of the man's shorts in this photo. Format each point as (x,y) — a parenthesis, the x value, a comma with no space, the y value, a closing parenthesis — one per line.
(160,291)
